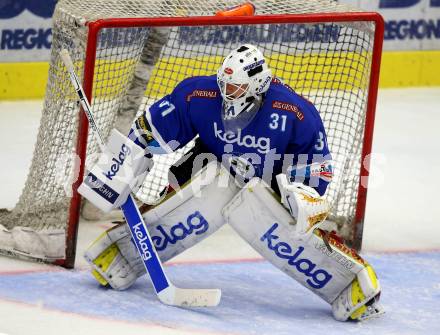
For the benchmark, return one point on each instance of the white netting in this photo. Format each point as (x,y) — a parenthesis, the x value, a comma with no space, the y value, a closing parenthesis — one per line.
(327,63)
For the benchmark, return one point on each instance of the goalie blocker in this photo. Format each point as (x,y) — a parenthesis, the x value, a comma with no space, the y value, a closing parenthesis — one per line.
(120,170)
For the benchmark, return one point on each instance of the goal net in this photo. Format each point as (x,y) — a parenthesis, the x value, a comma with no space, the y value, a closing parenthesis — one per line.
(130,53)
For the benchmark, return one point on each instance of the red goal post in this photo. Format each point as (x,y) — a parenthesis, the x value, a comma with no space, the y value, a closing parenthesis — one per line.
(94,65)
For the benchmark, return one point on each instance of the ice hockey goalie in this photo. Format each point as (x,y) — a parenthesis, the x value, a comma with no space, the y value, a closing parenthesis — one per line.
(260,164)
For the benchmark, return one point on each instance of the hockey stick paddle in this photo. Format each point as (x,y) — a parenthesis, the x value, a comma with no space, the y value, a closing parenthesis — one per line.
(165,290)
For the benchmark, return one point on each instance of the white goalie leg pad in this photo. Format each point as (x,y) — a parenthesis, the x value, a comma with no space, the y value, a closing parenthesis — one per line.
(360,300)
(257,215)
(113,260)
(193,213)
(179,222)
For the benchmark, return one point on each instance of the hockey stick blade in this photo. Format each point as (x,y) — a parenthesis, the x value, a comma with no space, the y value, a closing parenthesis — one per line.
(176,296)
(165,290)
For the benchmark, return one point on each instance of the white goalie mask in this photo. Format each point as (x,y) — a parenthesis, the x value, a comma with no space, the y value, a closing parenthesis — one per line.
(243,77)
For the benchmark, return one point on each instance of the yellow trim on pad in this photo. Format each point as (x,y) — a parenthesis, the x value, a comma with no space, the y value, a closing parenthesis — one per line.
(399,69)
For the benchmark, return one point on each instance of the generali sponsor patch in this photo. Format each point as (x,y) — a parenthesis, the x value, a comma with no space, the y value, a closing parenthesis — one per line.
(208,94)
(288,107)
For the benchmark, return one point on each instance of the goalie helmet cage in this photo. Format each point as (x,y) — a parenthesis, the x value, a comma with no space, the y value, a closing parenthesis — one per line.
(130,53)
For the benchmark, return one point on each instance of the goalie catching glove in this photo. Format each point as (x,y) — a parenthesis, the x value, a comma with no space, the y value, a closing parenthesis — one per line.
(120,170)
(304,204)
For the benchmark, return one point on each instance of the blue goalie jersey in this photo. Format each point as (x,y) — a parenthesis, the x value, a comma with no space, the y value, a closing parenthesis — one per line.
(286,134)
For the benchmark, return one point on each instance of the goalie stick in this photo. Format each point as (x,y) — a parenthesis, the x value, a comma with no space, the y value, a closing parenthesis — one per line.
(165,290)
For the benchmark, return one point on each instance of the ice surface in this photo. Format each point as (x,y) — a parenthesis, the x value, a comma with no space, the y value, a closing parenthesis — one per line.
(252,303)
(401,240)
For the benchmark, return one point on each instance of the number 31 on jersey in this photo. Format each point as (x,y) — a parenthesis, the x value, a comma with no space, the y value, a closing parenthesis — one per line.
(276,123)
